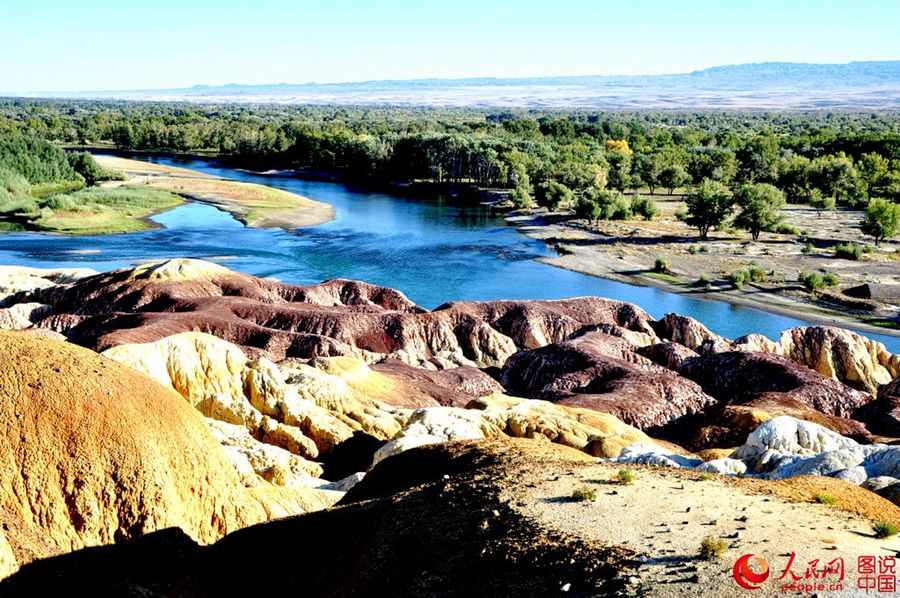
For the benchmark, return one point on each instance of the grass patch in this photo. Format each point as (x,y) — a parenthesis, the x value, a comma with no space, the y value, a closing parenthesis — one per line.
(787,229)
(823,498)
(257,202)
(584,494)
(664,277)
(706,477)
(885,529)
(42,190)
(101,210)
(712,549)
(882,323)
(625,476)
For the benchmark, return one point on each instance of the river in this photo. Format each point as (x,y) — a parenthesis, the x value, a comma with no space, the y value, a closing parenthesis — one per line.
(435,251)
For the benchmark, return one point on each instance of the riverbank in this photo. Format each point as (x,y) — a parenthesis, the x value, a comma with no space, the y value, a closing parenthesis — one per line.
(627,252)
(254,205)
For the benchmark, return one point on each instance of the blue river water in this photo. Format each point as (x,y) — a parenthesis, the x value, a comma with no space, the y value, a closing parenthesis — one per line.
(434,250)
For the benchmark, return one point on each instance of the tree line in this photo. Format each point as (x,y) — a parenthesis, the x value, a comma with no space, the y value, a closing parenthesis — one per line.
(817,158)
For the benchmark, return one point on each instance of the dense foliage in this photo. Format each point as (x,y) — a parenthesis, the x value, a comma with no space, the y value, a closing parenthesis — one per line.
(554,158)
(35,176)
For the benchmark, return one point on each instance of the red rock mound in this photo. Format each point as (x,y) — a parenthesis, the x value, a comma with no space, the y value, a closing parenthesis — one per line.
(602,372)
(338,317)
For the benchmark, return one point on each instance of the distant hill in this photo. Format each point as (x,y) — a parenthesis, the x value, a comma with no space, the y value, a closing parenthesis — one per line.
(770,85)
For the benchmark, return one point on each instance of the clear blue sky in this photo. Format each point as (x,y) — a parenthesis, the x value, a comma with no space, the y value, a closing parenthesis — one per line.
(74,45)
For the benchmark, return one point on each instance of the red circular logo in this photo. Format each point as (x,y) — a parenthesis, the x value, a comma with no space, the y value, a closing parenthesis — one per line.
(746,577)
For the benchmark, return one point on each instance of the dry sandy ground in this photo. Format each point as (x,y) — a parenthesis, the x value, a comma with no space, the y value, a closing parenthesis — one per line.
(626,251)
(665,514)
(255,205)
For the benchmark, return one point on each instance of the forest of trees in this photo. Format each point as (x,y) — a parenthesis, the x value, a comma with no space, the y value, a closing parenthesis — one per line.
(35,175)
(578,158)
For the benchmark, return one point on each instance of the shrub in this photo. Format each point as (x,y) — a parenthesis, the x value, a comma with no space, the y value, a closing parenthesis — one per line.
(644,207)
(552,195)
(824,498)
(587,209)
(807,248)
(521,198)
(813,281)
(848,251)
(85,165)
(885,529)
(739,278)
(60,202)
(661,265)
(787,229)
(584,494)
(706,477)
(704,249)
(620,210)
(712,549)
(703,280)
(692,250)
(625,476)
(756,274)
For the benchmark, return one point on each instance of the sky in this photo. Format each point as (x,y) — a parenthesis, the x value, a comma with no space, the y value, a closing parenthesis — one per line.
(100,45)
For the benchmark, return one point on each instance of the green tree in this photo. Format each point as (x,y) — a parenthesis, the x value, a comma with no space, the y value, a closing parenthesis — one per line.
(875,170)
(673,177)
(759,205)
(717,164)
(521,198)
(882,220)
(588,209)
(837,177)
(619,173)
(794,178)
(708,206)
(820,202)
(645,169)
(551,195)
(759,159)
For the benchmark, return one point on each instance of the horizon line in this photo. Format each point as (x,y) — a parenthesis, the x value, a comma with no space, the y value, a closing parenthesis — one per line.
(444,79)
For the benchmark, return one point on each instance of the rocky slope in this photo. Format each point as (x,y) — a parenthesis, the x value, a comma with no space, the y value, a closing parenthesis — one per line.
(491,518)
(93,453)
(283,397)
(673,377)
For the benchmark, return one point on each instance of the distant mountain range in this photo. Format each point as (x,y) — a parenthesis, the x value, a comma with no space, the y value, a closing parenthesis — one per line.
(770,85)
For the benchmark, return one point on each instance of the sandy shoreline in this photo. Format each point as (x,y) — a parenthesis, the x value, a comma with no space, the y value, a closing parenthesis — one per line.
(254,205)
(593,260)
